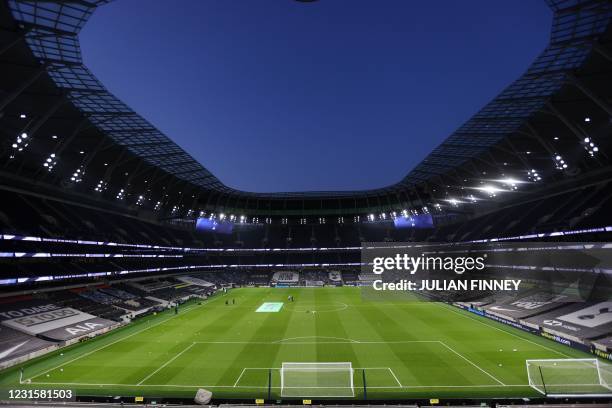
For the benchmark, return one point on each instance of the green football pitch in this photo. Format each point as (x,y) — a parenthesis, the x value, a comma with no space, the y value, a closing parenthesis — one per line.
(403,349)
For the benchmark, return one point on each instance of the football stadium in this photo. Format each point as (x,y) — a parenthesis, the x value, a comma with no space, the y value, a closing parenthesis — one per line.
(132,275)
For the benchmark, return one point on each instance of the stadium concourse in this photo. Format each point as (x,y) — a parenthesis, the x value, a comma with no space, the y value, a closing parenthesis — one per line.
(128,269)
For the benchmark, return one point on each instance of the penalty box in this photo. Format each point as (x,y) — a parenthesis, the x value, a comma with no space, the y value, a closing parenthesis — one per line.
(229,363)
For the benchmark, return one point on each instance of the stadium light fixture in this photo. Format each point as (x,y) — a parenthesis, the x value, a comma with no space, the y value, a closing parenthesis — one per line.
(22,116)
(560,164)
(453,201)
(19,144)
(371,217)
(587,119)
(78,174)
(101,186)
(512,183)
(590,146)
(157,206)
(50,162)
(533,175)
(510,180)
(490,190)
(121,194)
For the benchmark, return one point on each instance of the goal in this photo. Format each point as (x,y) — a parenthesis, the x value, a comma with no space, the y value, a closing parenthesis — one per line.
(317,380)
(570,377)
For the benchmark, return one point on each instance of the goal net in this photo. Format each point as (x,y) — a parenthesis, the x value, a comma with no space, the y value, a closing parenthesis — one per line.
(570,377)
(317,380)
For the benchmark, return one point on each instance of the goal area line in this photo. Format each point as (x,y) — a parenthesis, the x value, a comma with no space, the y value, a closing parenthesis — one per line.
(397,384)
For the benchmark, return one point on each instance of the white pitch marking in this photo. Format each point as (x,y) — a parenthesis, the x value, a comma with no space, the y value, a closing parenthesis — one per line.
(471,362)
(123,338)
(394,376)
(240,376)
(317,337)
(277,342)
(166,363)
(505,331)
(278,387)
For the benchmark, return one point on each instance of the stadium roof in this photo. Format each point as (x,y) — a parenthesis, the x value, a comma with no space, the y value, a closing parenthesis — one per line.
(509,137)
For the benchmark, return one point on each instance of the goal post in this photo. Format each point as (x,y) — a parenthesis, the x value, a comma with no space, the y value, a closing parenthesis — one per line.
(570,377)
(317,380)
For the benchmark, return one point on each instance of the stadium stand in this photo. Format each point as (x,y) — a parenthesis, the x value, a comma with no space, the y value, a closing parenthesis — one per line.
(117,293)
(74,300)
(170,289)
(196,281)
(314,278)
(367,278)
(335,277)
(579,322)
(285,278)
(16,346)
(350,277)
(258,279)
